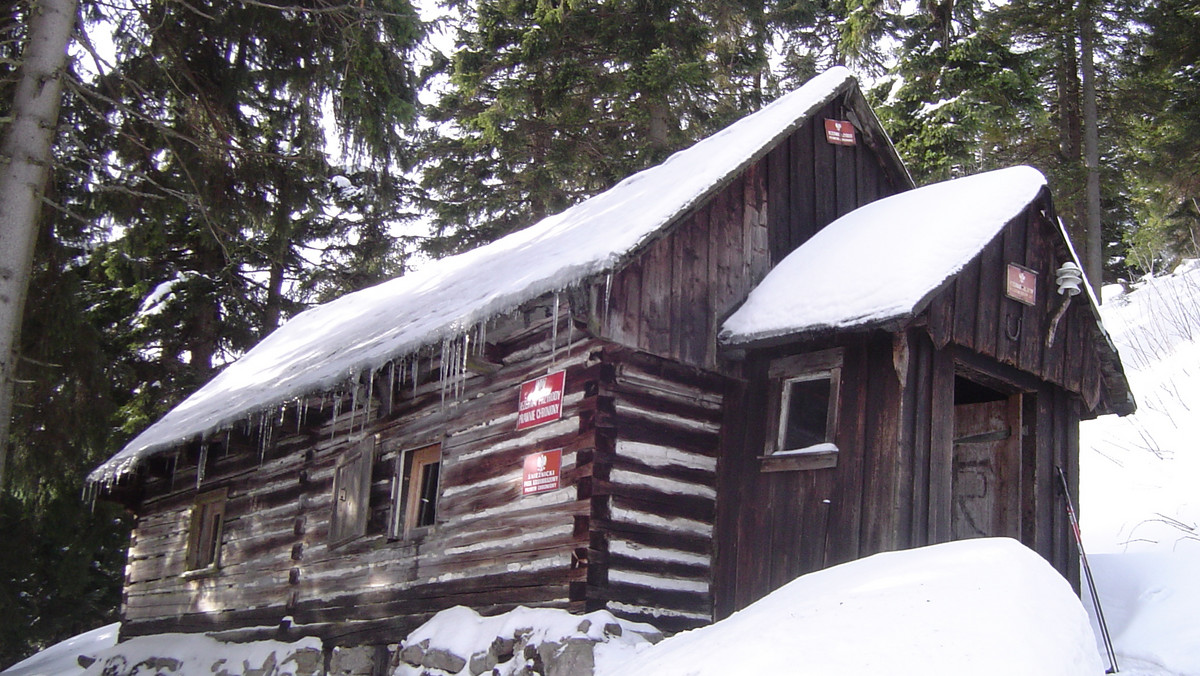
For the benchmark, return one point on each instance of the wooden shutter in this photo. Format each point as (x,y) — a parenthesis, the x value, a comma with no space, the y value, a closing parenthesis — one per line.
(351,493)
(205,531)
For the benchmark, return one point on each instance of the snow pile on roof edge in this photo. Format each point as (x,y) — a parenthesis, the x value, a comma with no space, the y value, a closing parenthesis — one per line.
(878,262)
(985,606)
(330,344)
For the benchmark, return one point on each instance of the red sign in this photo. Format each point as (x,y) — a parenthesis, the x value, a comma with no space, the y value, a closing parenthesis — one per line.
(839,132)
(1022,284)
(541,400)
(543,472)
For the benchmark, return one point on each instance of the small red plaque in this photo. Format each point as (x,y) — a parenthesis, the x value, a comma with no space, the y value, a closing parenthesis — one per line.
(839,132)
(543,472)
(1022,284)
(541,400)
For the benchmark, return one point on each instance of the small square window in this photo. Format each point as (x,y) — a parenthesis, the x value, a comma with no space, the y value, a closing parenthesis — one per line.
(805,410)
(205,531)
(803,407)
(415,490)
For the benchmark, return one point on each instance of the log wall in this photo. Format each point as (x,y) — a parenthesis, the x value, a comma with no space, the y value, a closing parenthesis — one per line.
(490,547)
(655,500)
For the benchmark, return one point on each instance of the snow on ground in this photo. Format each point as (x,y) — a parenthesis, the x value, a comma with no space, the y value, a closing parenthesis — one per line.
(1151,604)
(987,606)
(1140,474)
(62,659)
(186,655)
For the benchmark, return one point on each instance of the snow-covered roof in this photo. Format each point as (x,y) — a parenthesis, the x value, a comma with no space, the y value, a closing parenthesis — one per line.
(329,344)
(883,261)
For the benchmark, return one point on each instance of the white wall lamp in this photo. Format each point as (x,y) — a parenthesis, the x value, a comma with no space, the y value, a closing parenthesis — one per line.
(1069,278)
(1070,281)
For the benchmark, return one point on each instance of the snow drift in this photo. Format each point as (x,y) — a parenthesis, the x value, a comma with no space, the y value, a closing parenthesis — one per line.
(987,606)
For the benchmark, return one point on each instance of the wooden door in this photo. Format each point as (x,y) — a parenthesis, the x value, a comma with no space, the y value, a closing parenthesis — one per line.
(985,488)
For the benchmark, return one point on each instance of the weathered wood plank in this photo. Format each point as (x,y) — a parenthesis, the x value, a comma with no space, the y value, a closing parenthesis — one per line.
(779,209)
(803,187)
(941,447)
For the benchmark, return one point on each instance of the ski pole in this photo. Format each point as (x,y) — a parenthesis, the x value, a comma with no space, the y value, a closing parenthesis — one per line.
(1087,571)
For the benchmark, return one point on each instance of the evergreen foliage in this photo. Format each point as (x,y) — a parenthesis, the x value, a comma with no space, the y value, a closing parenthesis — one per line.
(544,104)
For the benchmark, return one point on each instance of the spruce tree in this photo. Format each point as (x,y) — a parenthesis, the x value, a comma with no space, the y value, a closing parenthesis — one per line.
(543,104)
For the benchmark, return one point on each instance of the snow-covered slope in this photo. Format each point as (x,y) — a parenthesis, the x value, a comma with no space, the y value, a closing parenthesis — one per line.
(1141,474)
(1151,602)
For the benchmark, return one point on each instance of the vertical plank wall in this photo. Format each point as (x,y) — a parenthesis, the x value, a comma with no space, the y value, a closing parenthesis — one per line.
(672,297)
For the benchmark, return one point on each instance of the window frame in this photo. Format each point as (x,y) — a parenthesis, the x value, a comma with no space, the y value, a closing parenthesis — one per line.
(354,466)
(782,373)
(204,543)
(410,467)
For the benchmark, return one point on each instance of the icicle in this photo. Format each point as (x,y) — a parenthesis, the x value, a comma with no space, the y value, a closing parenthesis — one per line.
(416,365)
(353,401)
(337,406)
(392,380)
(607,295)
(200,464)
(301,408)
(570,336)
(370,393)
(554,332)
(264,437)
(462,370)
(442,368)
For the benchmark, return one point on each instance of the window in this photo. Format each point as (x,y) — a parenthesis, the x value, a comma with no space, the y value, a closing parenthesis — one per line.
(415,490)
(204,533)
(351,493)
(803,409)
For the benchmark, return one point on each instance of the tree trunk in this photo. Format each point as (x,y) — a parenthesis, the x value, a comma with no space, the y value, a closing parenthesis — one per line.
(1070,136)
(1094,246)
(25,160)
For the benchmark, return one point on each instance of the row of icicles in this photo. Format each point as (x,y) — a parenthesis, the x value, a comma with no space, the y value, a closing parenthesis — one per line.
(450,359)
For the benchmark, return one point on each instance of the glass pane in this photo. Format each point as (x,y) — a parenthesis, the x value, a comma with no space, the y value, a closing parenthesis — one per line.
(429,485)
(807,413)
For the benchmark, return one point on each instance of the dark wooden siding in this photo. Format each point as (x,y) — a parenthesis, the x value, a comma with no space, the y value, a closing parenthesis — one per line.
(975,313)
(671,299)
(891,488)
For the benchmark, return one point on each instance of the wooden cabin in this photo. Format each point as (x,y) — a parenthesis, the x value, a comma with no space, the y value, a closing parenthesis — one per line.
(574,417)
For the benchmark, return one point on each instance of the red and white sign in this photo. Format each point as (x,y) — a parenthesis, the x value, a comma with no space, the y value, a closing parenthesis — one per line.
(1022,284)
(541,400)
(839,132)
(543,472)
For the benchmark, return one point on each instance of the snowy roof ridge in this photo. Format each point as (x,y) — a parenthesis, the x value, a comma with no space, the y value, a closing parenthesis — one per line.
(887,257)
(325,346)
